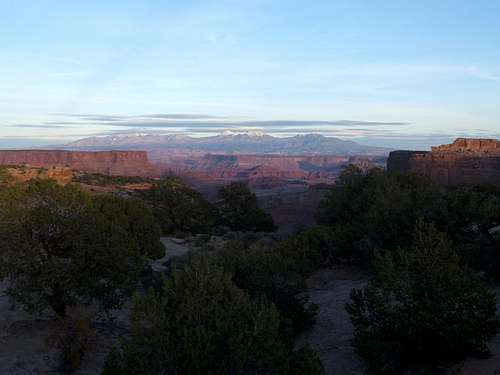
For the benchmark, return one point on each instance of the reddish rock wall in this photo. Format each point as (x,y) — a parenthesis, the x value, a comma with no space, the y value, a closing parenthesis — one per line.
(470,146)
(227,166)
(465,161)
(106,162)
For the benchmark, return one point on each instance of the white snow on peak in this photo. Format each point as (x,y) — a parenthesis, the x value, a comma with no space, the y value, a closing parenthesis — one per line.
(249,133)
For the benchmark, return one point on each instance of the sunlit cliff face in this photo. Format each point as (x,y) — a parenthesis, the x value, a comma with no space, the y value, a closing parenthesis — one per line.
(108,162)
(465,161)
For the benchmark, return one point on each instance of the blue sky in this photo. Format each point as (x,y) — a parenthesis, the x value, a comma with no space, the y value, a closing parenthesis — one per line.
(395,73)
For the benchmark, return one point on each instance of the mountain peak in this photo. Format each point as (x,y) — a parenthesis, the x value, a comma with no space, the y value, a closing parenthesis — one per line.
(248,133)
(249,142)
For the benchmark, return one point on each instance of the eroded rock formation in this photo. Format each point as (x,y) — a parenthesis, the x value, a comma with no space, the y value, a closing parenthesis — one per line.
(15,175)
(106,162)
(465,161)
(243,166)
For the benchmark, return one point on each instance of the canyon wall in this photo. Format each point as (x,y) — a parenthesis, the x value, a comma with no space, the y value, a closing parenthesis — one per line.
(227,166)
(106,162)
(464,162)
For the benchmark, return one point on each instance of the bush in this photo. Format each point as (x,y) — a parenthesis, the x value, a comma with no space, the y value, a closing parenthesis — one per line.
(373,210)
(309,249)
(306,362)
(177,208)
(99,179)
(201,323)
(60,247)
(238,209)
(135,218)
(5,177)
(262,271)
(421,309)
(471,212)
(381,207)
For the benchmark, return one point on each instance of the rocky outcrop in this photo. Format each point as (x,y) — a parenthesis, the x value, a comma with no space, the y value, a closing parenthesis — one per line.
(61,175)
(465,161)
(106,162)
(471,147)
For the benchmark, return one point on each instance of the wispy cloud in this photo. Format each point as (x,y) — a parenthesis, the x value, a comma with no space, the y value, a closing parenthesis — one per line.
(483,74)
(158,116)
(37,126)
(202,121)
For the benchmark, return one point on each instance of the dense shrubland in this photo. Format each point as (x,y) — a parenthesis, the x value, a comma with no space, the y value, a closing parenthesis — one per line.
(233,311)
(179,209)
(422,308)
(201,322)
(60,247)
(377,211)
(98,179)
(238,210)
(237,309)
(263,271)
(426,246)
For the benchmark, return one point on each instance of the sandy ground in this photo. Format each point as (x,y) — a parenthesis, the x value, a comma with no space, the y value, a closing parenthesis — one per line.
(333,331)
(23,337)
(331,335)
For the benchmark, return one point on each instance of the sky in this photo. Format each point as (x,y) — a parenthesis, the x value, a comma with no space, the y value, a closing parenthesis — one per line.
(403,74)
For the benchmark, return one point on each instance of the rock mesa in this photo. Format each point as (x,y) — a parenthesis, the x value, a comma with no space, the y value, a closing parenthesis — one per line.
(464,162)
(106,162)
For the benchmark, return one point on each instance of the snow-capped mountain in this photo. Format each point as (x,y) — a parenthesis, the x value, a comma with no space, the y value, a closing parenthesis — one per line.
(252,142)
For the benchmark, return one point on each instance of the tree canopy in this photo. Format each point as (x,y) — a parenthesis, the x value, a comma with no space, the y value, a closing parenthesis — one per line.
(238,209)
(201,323)
(377,210)
(422,308)
(177,208)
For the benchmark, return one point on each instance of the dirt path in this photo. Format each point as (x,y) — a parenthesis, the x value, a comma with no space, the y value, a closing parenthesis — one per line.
(173,248)
(331,335)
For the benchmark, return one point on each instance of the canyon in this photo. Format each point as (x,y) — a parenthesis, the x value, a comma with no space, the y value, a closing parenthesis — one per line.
(260,170)
(310,168)
(465,161)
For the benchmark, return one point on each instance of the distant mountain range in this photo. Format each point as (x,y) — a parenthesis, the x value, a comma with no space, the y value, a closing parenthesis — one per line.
(229,142)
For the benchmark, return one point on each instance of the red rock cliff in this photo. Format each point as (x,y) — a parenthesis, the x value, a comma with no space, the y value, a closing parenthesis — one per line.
(106,162)
(465,161)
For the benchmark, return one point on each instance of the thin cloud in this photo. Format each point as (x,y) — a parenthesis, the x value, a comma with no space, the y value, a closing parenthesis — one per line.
(97,121)
(37,126)
(155,116)
(181,116)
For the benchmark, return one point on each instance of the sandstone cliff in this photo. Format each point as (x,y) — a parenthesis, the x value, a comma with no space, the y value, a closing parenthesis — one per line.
(106,162)
(465,161)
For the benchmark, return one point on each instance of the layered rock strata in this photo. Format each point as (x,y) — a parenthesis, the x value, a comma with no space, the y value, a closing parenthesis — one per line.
(106,162)
(464,162)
